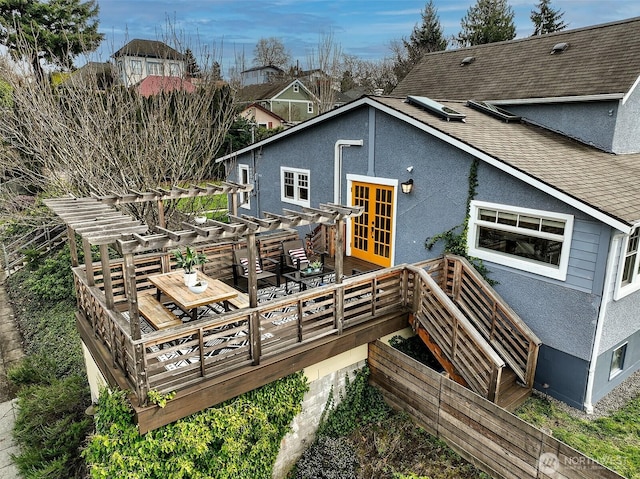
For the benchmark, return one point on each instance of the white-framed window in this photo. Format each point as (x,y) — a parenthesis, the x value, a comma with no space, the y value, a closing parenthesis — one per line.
(136,67)
(296,88)
(617,360)
(309,107)
(174,69)
(294,186)
(629,269)
(244,179)
(530,240)
(155,68)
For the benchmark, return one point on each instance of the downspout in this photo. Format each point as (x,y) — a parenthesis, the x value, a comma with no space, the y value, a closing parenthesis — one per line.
(606,297)
(337,167)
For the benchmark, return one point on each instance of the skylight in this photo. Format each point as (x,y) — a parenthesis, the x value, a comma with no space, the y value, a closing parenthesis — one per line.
(559,47)
(493,110)
(467,61)
(433,106)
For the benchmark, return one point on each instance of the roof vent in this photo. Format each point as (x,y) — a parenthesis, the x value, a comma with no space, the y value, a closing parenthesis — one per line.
(559,47)
(467,61)
(493,110)
(433,106)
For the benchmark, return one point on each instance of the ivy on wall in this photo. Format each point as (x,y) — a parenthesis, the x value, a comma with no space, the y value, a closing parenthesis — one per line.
(455,239)
(237,439)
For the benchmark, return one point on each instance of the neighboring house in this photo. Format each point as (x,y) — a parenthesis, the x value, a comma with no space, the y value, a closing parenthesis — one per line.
(100,73)
(139,59)
(555,215)
(262,117)
(153,85)
(289,99)
(260,75)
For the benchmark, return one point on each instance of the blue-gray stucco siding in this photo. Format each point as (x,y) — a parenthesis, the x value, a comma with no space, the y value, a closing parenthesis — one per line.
(562,313)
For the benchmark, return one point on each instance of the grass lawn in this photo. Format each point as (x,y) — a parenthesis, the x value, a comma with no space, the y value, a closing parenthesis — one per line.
(612,440)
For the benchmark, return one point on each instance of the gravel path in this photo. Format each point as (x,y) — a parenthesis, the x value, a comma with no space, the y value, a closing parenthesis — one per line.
(616,399)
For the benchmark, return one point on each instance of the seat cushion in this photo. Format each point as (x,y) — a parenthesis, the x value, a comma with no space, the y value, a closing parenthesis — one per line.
(298,255)
(245,261)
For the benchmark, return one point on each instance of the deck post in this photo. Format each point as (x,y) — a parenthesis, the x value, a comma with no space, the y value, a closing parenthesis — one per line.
(256,344)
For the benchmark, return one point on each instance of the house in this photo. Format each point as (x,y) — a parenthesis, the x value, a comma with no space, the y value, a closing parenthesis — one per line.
(260,75)
(139,59)
(289,99)
(154,85)
(259,115)
(534,144)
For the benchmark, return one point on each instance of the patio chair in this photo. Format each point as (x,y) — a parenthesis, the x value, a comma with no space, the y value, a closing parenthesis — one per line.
(295,256)
(241,269)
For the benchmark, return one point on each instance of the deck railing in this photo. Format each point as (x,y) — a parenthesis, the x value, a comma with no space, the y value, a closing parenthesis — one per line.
(459,342)
(174,359)
(434,291)
(492,317)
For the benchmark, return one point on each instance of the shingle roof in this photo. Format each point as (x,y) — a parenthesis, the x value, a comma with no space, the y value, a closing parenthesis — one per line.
(607,182)
(263,91)
(600,60)
(149,48)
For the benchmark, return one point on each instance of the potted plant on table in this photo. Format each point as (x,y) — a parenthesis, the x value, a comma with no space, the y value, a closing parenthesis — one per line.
(316,266)
(188,261)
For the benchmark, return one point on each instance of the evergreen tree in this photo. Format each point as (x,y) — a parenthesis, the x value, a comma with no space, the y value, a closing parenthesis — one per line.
(55,31)
(546,20)
(487,21)
(425,38)
(193,70)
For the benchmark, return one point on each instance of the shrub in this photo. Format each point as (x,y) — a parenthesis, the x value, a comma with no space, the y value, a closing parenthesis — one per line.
(360,404)
(51,427)
(328,458)
(236,439)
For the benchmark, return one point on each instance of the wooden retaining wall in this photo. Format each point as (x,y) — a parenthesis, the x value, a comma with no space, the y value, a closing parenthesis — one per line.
(486,435)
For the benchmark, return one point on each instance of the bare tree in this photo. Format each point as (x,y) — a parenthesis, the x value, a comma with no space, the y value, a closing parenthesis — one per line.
(80,138)
(324,62)
(366,75)
(271,52)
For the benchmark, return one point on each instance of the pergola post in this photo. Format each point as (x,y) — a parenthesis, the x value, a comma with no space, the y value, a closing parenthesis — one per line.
(252,280)
(106,275)
(339,269)
(132,295)
(88,262)
(234,203)
(73,246)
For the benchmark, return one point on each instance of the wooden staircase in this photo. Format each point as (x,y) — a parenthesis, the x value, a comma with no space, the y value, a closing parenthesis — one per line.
(472,332)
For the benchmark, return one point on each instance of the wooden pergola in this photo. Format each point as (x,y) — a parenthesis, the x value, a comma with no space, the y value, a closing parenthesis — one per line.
(97,222)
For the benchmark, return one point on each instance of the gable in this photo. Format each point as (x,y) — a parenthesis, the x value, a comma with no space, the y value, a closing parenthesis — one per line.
(603,60)
(150,49)
(602,185)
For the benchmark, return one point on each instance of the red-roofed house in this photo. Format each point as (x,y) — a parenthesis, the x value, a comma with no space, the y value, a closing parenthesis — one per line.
(152,85)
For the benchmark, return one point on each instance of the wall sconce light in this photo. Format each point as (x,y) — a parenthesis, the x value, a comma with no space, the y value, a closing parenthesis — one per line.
(407,186)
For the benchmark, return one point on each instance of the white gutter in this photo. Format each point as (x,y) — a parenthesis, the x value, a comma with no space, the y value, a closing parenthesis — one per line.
(337,167)
(606,297)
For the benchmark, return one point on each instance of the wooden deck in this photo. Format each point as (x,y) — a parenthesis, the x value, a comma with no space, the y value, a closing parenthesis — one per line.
(213,359)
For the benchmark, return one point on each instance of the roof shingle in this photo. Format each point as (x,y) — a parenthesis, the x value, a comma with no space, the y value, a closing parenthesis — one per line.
(600,60)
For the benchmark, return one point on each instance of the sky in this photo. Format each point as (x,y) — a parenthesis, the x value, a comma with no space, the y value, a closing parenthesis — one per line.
(222,29)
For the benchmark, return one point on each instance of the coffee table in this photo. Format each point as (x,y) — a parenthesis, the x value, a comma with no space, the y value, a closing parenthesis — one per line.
(304,279)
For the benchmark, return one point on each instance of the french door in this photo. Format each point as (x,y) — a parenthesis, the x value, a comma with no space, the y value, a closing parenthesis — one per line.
(372,232)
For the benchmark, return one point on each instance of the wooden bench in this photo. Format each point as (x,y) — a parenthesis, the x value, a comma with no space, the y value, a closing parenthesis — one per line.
(156,314)
(239,302)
